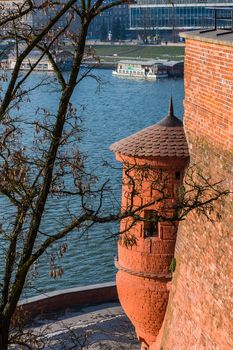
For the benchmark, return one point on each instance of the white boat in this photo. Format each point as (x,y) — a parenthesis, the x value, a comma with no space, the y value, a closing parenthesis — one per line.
(33,59)
(141,69)
(38,62)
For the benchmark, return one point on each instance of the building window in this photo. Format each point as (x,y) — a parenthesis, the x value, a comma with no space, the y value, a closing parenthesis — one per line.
(151,223)
(177,175)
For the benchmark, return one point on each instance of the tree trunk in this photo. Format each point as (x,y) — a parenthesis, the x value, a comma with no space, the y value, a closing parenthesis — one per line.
(4,333)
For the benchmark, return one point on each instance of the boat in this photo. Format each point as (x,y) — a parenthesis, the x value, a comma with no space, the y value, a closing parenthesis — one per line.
(33,59)
(141,69)
(38,62)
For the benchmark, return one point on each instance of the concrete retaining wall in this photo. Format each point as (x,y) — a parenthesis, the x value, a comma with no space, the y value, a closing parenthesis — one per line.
(68,298)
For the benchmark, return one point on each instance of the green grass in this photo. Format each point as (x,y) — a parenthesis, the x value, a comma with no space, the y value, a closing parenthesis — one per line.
(155,52)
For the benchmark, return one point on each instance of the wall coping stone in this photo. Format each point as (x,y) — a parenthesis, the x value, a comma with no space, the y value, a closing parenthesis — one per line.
(61,300)
(210,37)
(66,292)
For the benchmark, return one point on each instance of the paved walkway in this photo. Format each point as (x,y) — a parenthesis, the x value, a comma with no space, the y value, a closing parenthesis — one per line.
(101,327)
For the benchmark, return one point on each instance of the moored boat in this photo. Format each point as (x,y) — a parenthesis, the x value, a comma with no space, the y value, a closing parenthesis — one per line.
(36,61)
(141,69)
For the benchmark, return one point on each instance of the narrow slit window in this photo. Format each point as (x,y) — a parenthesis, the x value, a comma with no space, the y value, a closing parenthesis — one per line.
(151,223)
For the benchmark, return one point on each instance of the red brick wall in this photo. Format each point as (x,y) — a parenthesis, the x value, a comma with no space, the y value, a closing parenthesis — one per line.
(200,311)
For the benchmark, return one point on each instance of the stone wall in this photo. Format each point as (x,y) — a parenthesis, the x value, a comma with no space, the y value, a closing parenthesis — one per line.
(60,301)
(200,311)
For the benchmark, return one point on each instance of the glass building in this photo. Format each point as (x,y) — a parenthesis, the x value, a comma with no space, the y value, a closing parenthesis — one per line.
(169,16)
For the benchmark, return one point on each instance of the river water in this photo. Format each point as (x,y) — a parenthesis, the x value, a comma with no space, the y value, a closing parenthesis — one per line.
(116,109)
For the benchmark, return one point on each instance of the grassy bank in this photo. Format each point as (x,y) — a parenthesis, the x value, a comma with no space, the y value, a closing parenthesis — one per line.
(143,52)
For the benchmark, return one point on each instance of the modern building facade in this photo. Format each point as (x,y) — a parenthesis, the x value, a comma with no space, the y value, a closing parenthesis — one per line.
(112,24)
(168,18)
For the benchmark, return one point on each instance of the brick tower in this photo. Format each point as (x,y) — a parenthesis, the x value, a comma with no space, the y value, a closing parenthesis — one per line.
(154,160)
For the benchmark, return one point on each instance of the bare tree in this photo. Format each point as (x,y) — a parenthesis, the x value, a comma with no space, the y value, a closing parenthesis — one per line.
(30,176)
(33,175)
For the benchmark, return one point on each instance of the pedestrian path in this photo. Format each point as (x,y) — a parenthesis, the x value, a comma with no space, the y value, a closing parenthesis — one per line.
(100,327)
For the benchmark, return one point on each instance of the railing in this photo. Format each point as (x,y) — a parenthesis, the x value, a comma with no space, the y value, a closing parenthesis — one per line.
(183,2)
(217,17)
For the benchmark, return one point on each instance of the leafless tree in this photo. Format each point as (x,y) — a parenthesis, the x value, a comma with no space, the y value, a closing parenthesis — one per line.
(34,175)
(30,176)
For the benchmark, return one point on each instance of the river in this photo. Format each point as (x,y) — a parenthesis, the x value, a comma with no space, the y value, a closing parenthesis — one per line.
(111,111)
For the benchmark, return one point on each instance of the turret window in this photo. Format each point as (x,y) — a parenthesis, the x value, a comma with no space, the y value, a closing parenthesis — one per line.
(151,223)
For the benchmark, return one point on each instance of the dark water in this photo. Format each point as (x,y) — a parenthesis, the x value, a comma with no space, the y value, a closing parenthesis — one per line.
(119,108)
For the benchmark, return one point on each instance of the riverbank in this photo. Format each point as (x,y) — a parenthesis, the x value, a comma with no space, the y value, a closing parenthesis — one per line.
(108,55)
(158,52)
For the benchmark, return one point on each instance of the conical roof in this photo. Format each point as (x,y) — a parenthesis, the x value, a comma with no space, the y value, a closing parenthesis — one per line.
(164,139)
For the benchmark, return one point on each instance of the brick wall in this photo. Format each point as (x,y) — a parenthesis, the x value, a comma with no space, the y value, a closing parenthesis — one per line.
(200,311)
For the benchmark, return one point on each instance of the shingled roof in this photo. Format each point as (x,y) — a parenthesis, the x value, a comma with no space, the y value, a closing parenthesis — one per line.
(164,139)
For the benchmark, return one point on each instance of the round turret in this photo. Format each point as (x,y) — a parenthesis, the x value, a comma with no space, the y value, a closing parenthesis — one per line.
(164,139)
(154,160)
